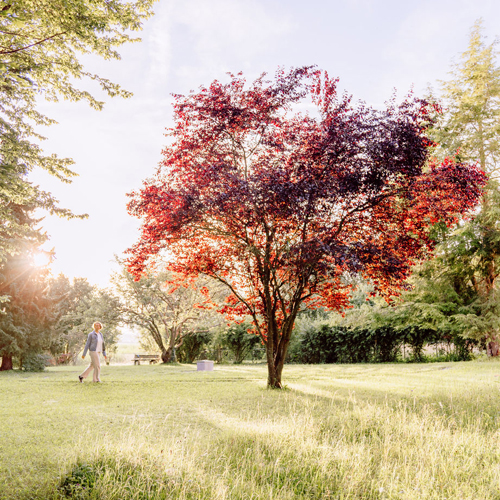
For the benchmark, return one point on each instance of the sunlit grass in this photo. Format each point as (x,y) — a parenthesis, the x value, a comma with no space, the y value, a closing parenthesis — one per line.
(337,431)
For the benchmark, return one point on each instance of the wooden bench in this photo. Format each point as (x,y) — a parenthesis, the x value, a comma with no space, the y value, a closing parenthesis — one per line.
(152,358)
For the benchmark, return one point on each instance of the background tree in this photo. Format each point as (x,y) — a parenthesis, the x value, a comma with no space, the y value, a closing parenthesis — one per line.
(281,207)
(192,345)
(468,260)
(79,305)
(470,123)
(438,310)
(69,328)
(27,311)
(163,309)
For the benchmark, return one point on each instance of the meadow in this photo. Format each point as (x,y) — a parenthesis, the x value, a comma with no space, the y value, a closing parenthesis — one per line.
(388,431)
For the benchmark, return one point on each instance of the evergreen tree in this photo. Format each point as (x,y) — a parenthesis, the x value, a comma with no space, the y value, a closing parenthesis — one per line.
(463,277)
(27,311)
(470,123)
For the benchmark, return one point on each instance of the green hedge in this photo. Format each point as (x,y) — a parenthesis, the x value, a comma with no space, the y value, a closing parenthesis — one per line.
(340,344)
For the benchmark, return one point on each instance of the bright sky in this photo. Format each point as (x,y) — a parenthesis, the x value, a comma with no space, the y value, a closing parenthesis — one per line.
(373,46)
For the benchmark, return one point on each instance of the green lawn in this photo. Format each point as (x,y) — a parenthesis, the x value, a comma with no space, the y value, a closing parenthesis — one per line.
(400,431)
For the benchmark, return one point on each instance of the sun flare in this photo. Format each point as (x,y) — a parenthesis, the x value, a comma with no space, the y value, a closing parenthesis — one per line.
(42,258)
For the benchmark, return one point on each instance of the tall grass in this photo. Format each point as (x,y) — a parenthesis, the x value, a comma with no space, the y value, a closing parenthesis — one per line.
(336,432)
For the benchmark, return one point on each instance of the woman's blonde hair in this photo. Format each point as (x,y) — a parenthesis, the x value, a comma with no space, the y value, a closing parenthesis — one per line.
(96,323)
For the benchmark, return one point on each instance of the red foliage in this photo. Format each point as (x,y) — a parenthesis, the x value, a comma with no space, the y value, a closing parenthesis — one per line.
(280,205)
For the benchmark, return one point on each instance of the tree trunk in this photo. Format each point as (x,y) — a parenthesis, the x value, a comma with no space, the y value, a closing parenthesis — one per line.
(6,363)
(276,360)
(165,355)
(171,343)
(273,379)
(169,355)
(273,375)
(492,347)
(274,370)
(155,332)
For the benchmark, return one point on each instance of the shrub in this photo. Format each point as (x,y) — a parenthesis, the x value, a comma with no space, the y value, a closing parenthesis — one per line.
(121,477)
(335,344)
(416,338)
(387,342)
(239,341)
(318,346)
(34,362)
(192,345)
(323,343)
(462,348)
(294,353)
(217,351)
(258,353)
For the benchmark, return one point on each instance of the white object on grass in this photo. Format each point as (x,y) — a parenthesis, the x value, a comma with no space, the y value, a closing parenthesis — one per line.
(205,365)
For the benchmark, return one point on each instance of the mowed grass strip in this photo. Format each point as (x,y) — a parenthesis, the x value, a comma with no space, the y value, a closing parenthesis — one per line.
(395,431)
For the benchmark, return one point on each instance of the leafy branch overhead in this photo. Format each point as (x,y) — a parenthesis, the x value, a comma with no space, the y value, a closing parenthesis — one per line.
(41,41)
(40,45)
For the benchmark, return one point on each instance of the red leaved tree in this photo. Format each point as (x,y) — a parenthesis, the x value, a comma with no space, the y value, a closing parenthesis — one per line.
(280,206)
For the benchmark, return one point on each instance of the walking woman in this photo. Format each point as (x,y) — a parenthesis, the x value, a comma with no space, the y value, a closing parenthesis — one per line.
(95,345)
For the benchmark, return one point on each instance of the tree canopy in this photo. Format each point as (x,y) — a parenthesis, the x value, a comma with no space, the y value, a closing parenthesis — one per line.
(41,43)
(280,206)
